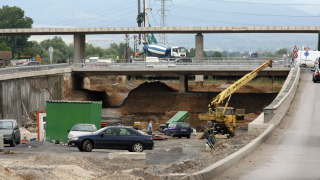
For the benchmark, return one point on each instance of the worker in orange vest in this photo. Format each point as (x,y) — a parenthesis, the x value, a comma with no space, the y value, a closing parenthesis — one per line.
(137,54)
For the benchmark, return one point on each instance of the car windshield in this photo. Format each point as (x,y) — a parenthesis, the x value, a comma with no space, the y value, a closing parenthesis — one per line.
(82,127)
(6,125)
(172,125)
(182,50)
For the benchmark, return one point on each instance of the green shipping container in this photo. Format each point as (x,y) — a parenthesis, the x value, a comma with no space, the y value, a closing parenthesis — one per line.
(62,115)
(181,116)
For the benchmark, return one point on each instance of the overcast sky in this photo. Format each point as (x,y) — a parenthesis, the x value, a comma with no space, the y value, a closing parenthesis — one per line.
(123,13)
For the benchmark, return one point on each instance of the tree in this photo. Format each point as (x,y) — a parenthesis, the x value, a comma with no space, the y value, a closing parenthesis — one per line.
(216,54)
(4,47)
(13,17)
(57,44)
(280,52)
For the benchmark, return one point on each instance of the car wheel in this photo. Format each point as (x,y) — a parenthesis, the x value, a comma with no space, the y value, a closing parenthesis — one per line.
(87,146)
(13,144)
(137,147)
(80,148)
(172,136)
(188,137)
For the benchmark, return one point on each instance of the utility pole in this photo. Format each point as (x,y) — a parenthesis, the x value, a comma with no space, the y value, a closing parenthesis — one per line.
(163,37)
(127,47)
(135,45)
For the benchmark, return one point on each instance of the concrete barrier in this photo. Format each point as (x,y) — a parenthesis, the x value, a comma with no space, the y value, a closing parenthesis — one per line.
(225,163)
(273,113)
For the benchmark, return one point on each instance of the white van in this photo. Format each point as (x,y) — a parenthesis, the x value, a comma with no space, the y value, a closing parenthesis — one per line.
(307,61)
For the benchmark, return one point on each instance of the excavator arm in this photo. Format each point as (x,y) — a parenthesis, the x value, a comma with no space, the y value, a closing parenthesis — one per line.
(235,86)
(217,113)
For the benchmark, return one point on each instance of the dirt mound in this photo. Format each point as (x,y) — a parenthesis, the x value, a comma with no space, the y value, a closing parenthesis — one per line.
(6,173)
(152,87)
(103,165)
(195,103)
(250,89)
(115,99)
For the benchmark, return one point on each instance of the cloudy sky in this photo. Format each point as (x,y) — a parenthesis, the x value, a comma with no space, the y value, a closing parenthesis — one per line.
(123,13)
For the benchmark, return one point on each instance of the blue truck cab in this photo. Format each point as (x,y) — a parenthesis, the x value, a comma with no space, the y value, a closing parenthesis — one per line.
(178,129)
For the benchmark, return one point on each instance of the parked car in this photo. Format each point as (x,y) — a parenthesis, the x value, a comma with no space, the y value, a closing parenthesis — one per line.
(30,63)
(178,129)
(316,74)
(81,129)
(11,132)
(113,137)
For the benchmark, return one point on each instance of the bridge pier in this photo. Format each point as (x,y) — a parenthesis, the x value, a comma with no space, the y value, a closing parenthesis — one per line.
(183,84)
(79,42)
(199,57)
(319,41)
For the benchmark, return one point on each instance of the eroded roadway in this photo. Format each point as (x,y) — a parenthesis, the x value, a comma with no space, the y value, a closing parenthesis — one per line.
(293,149)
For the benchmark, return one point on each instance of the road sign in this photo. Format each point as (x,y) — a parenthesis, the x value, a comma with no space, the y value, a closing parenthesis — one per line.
(306,53)
(307,49)
(295,55)
(33,59)
(295,49)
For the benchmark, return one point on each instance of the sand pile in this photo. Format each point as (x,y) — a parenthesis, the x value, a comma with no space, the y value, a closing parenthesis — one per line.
(7,174)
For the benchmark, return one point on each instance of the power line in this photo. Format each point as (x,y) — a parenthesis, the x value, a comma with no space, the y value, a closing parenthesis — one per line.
(104,14)
(228,12)
(109,19)
(244,2)
(204,20)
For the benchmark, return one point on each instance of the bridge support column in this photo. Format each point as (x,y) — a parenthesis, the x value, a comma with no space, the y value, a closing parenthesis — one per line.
(319,41)
(183,84)
(199,57)
(79,43)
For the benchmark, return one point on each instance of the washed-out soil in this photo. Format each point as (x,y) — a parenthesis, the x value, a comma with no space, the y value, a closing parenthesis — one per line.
(158,98)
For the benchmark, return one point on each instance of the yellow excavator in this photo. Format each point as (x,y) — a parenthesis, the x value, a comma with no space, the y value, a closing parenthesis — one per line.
(223,117)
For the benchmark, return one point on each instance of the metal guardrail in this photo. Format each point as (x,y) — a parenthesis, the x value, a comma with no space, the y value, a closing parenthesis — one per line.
(32,68)
(170,64)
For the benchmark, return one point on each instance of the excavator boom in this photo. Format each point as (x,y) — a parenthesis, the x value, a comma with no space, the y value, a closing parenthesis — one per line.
(241,82)
(227,121)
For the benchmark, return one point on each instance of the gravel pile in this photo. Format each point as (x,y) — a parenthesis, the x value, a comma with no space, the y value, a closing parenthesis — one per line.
(35,144)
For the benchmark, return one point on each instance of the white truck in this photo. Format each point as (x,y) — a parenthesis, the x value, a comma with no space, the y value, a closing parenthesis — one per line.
(307,61)
(156,62)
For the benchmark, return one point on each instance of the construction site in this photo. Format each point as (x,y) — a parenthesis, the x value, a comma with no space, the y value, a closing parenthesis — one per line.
(141,100)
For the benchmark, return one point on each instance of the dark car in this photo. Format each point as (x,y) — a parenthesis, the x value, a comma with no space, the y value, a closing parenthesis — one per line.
(30,63)
(124,138)
(179,129)
(11,132)
(316,74)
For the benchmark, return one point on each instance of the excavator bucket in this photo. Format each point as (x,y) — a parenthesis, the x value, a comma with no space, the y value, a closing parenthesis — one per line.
(240,115)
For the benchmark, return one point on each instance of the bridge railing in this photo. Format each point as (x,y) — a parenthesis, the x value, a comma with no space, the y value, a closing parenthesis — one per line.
(172,64)
(32,68)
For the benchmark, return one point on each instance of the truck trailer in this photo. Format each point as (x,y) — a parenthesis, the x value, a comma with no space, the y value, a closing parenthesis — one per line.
(5,58)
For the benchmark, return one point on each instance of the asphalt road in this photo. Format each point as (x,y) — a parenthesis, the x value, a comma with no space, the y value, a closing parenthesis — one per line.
(293,149)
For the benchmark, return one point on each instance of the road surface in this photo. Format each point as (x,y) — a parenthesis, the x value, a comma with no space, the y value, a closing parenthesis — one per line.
(293,149)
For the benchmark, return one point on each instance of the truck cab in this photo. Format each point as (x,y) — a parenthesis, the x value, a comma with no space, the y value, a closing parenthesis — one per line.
(175,52)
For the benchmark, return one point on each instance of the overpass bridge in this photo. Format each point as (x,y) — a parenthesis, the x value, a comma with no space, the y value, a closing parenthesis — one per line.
(80,33)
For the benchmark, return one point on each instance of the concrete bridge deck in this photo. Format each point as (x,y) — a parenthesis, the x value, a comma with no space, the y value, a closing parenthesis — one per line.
(137,30)
(228,71)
